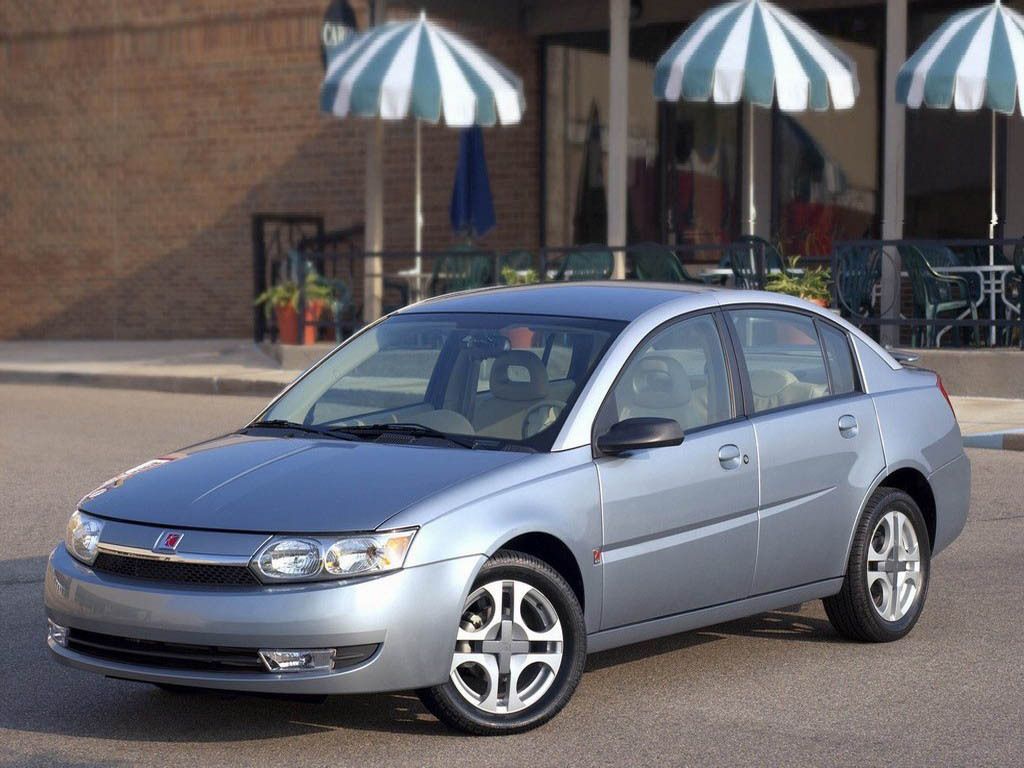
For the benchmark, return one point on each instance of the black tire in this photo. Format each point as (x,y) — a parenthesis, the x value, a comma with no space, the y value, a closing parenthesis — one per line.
(852,611)
(450,707)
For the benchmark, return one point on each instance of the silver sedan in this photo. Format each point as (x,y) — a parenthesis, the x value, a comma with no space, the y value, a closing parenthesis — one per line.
(469,496)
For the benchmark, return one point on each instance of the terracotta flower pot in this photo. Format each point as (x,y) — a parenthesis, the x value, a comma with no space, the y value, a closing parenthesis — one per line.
(820,302)
(314,309)
(520,337)
(288,323)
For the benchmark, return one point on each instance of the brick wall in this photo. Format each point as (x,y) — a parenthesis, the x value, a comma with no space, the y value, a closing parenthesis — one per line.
(138,137)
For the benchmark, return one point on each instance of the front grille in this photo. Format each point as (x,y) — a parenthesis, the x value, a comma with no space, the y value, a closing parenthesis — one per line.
(172,572)
(153,653)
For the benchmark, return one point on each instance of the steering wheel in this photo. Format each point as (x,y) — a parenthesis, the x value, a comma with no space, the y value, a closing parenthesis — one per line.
(555,407)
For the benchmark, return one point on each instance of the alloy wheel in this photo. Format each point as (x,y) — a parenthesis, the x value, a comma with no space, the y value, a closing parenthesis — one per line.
(895,577)
(508,649)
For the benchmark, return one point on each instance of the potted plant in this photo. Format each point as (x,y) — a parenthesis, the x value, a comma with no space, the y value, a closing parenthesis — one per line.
(809,284)
(282,299)
(512,276)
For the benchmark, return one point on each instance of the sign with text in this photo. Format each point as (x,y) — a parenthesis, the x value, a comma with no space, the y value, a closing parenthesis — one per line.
(339,25)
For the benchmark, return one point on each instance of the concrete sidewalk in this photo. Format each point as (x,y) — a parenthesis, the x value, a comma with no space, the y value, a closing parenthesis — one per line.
(240,367)
(206,366)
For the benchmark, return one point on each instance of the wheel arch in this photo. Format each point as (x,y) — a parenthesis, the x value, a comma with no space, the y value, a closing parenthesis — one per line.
(553,551)
(910,479)
(913,482)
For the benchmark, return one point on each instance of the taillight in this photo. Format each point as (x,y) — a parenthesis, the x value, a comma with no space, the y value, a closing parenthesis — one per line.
(945,394)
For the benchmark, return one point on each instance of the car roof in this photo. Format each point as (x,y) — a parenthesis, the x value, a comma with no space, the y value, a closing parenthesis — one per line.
(606,300)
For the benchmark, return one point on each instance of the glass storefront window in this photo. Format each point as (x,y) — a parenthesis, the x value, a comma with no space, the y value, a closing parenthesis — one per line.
(947,193)
(825,169)
(703,172)
(576,145)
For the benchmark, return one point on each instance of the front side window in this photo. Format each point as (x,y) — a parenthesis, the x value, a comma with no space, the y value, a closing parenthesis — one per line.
(783,357)
(500,378)
(679,373)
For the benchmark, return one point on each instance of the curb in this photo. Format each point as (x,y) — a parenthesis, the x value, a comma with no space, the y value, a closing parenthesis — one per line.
(998,441)
(191,385)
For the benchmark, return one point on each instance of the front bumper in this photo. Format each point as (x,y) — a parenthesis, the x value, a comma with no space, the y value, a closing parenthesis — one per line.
(412,615)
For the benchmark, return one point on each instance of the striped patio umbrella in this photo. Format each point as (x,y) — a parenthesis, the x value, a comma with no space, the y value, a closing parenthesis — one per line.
(755,51)
(974,60)
(419,69)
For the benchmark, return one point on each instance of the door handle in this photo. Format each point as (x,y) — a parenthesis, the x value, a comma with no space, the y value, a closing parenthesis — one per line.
(729,456)
(848,426)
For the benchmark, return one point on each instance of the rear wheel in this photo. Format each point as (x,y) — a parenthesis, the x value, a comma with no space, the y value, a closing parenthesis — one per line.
(519,650)
(887,577)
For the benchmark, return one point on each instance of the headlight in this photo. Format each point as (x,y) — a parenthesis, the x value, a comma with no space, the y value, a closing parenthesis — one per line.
(83,536)
(290,559)
(368,554)
(308,559)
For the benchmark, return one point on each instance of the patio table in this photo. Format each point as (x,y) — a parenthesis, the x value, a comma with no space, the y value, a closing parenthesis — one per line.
(993,290)
(992,280)
(417,280)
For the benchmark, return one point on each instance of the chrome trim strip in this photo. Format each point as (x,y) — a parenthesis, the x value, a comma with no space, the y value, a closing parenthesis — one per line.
(175,557)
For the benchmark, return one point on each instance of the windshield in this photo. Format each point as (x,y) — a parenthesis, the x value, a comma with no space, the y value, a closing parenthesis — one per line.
(502,379)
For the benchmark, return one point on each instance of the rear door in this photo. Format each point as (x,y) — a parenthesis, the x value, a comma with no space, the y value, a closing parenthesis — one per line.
(818,442)
(680,522)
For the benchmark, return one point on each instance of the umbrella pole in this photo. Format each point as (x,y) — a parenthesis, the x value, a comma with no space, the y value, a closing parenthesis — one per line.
(419,200)
(992,224)
(752,216)
(994,221)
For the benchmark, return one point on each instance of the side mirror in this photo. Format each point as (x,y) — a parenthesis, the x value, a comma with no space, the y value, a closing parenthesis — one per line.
(635,434)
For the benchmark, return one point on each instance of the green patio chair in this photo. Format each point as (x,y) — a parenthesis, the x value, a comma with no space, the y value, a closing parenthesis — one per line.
(461,270)
(1015,288)
(587,262)
(658,263)
(742,259)
(858,271)
(341,300)
(943,256)
(933,296)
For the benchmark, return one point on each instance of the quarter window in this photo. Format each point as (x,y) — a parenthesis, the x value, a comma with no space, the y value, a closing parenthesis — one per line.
(783,357)
(680,373)
(840,360)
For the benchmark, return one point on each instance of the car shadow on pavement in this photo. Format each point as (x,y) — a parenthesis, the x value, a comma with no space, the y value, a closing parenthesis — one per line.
(786,624)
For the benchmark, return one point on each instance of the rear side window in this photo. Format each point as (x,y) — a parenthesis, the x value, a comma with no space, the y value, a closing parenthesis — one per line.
(840,359)
(783,357)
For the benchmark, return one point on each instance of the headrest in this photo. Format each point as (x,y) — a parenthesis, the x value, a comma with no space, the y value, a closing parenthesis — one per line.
(769,382)
(518,375)
(660,382)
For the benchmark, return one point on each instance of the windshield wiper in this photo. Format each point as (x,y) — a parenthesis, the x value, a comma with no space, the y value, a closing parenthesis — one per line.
(417,430)
(296,427)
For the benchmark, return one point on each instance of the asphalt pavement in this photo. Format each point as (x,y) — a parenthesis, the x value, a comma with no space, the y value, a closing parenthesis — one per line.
(777,689)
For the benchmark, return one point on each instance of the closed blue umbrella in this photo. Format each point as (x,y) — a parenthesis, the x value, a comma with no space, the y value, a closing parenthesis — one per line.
(472,209)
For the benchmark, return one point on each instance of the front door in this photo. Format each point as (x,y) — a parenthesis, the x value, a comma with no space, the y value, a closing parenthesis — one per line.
(680,523)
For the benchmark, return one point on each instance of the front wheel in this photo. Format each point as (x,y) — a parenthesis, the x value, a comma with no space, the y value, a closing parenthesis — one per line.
(887,577)
(519,650)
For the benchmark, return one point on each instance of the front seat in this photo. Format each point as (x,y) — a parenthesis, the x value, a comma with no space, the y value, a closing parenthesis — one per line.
(518,382)
(660,386)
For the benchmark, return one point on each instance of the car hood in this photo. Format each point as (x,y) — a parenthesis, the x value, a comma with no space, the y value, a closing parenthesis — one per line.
(286,485)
